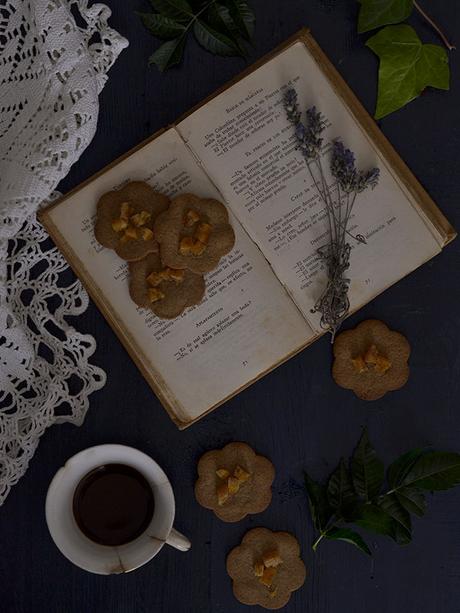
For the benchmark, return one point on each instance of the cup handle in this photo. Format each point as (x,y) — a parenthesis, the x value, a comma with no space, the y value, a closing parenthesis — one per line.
(178,540)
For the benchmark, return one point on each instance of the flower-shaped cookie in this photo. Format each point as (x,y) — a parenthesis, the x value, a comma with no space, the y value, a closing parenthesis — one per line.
(234,481)
(166,291)
(194,233)
(266,568)
(371,360)
(125,220)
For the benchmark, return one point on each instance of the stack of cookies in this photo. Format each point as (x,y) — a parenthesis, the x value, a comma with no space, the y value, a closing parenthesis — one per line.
(169,244)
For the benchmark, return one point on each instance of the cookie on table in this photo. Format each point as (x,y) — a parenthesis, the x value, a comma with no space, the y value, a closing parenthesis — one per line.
(371,360)
(234,482)
(194,233)
(166,291)
(266,568)
(125,220)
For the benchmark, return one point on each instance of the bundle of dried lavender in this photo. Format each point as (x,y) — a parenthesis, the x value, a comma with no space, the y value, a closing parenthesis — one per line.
(334,303)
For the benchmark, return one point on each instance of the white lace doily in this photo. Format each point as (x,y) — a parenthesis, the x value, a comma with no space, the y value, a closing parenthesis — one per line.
(51,72)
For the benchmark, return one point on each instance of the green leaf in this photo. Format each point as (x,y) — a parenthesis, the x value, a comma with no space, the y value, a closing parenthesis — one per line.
(403,526)
(320,510)
(340,490)
(375,519)
(243,16)
(400,467)
(179,10)
(168,54)
(366,469)
(412,499)
(213,40)
(436,470)
(349,536)
(219,18)
(161,26)
(406,68)
(376,13)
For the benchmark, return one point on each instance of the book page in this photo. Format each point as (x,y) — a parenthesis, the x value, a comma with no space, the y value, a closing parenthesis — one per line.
(247,147)
(246,324)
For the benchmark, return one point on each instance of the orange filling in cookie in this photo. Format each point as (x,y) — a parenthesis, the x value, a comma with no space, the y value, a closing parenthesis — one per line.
(132,226)
(155,278)
(230,484)
(267,569)
(372,359)
(196,244)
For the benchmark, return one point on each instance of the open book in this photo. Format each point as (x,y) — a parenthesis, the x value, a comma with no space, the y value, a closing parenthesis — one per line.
(238,147)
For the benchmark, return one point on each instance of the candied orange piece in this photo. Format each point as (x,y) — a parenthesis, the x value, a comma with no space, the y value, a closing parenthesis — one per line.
(202,233)
(222,473)
(131,232)
(125,210)
(271,558)
(359,364)
(119,224)
(259,569)
(190,218)
(140,219)
(233,485)
(383,364)
(186,244)
(176,275)
(155,294)
(147,234)
(198,248)
(222,493)
(268,576)
(241,474)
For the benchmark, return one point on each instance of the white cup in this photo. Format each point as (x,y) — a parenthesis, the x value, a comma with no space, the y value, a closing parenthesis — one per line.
(102,559)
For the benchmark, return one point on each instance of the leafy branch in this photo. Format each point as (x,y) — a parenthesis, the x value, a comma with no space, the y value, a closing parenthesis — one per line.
(220,26)
(407,66)
(353,495)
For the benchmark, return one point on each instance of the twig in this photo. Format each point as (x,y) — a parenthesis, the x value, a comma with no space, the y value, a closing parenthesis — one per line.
(444,39)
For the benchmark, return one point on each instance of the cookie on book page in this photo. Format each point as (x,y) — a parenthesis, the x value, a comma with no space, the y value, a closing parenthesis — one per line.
(266,568)
(234,482)
(371,360)
(194,233)
(125,220)
(166,291)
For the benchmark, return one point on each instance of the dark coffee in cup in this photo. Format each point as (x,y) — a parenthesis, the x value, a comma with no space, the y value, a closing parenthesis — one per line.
(113,504)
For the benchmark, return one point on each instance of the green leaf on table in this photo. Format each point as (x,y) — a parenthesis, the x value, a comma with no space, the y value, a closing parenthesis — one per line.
(348,536)
(213,40)
(340,491)
(243,16)
(435,470)
(402,521)
(398,470)
(320,509)
(412,499)
(376,13)
(373,518)
(367,470)
(161,26)
(179,10)
(168,54)
(406,68)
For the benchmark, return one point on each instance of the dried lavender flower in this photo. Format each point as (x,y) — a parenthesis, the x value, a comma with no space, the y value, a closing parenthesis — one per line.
(291,106)
(308,134)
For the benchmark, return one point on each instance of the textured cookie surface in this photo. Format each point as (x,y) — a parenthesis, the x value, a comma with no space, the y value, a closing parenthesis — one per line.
(253,496)
(370,384)
(290,576)
(141,198)
(177,296)
(170,230)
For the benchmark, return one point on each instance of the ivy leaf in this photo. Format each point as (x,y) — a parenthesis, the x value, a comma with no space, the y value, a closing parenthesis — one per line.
(161,26)
(376,13)
(340,490)
(407,67)
(398,470)
(375,519)
(366,469)
(436,470)
(179,10)
(348,536)
(320,510)
(213,40)
(403,525)
(168,54)
(412,499)
(243,16)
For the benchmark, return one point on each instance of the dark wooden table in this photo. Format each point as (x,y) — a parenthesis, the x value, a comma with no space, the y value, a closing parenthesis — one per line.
(297,416)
